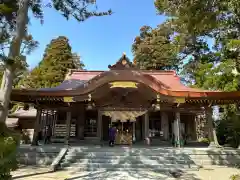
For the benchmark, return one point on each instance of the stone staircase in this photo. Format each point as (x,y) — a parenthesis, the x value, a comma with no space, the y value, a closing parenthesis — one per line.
(119,158)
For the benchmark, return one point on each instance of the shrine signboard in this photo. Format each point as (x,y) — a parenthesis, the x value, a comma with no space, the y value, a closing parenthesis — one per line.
(68,99)
(123,84)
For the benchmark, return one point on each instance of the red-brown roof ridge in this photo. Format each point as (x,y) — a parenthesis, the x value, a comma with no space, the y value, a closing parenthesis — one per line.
(168,78)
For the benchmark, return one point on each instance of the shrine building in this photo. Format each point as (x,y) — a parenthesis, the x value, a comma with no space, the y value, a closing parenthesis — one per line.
(139,103)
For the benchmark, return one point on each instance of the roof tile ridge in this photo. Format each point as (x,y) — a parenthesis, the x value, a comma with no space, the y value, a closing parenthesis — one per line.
(82,70)
(170,72)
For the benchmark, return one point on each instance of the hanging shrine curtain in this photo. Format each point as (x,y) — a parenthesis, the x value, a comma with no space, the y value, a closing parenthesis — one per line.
(124,116)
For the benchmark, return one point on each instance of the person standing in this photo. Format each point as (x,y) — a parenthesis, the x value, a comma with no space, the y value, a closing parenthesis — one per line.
(112,133)
(39,137)
(48,135)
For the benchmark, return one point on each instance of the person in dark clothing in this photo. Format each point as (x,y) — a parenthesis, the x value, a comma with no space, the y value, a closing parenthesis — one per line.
(48,135)
(173,139)
(39,137)
(112,133)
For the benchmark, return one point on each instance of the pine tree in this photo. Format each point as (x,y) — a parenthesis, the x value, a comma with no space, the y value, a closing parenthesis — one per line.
(57,60)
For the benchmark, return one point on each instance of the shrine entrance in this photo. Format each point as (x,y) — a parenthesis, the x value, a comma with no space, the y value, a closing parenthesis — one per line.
(125,124)
(124,135)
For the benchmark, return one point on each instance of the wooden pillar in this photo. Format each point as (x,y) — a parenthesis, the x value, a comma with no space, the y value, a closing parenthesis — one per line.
(146,125)
(43,116)
(211,129)
(165,125)
(143,127)
(209,124)
(47,119)
(37,127)
(194,133)
(68,127)
(44,120)
(177,131)
(134,131)
(52,118)
(99,128)
(80,123)
(53,123)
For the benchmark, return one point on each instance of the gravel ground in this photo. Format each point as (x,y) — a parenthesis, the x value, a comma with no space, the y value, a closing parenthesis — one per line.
(206,173)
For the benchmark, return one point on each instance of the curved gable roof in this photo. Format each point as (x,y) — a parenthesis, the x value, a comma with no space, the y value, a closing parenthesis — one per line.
(169,79)
(163,82)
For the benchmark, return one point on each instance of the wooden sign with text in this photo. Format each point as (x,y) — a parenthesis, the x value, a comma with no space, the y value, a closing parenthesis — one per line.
(123,84)
(68,99)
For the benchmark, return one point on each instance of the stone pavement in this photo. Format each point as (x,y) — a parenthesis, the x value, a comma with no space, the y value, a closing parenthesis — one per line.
(206,173)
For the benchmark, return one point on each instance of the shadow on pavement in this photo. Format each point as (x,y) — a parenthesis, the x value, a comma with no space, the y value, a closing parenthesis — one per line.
(132,175)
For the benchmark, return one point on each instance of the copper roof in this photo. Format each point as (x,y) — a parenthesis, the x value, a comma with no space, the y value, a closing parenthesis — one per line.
(82,82)
(163,82)
(77,78)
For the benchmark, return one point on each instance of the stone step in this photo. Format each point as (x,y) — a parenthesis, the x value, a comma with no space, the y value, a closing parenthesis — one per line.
(118,164)
(126,153)
(126,168)
(149,156)
(128,149)
(131,159)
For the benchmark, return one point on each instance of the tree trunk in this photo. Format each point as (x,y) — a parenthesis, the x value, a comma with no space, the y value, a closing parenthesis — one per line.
(14,52)
(2,89)
(6,92)
(215,137)
(212,136)
(3,81)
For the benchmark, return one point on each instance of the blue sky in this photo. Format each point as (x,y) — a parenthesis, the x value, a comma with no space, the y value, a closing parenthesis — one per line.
(99,41)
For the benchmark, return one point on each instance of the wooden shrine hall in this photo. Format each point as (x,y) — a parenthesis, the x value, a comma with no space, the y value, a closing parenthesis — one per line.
(139,103)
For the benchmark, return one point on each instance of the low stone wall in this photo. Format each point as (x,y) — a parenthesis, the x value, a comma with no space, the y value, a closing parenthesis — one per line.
(40,156)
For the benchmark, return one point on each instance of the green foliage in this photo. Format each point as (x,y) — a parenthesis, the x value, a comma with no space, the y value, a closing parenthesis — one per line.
(192,17)
(195,21)
(8,143)
(215,76)
(7,12)
(155,49)
(78,64)
(215,65)
(79,10)
(51,71)
(20,65)
(68,8)
(228,128)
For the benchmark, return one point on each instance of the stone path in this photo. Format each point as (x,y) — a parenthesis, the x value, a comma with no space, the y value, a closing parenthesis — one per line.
(207,173)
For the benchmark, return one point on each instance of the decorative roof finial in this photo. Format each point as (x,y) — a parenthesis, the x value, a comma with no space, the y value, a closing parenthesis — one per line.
(124,53)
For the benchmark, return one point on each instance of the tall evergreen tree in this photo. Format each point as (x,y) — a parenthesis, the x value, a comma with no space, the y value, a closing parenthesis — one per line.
(77,61)
(196,22)
(156,49)
(57,60)
(69,8)
(210,67)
